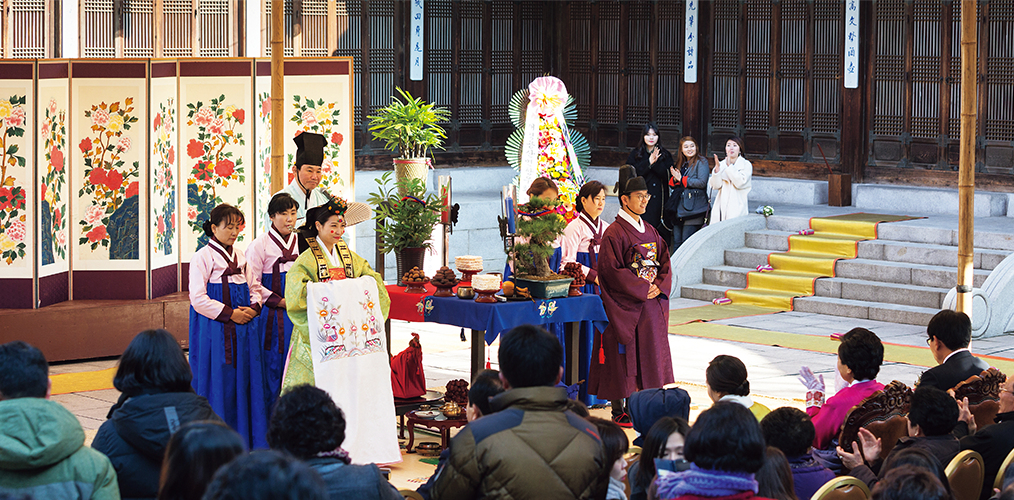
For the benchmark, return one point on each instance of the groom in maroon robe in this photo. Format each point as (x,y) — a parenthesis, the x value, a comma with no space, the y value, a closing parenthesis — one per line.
(633,271)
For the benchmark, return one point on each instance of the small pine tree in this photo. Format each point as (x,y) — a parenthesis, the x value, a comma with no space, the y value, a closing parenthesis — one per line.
(540,232)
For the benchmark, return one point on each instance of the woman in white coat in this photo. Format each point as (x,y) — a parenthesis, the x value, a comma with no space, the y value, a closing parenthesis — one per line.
(730,179)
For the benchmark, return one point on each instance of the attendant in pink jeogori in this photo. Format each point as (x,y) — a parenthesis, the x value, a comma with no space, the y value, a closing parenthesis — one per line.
(269,257)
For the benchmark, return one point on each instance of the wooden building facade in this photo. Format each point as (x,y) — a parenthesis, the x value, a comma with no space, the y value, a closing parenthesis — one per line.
(771,71)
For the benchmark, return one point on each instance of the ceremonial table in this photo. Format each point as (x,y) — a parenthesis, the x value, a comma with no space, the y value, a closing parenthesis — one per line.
(487,321)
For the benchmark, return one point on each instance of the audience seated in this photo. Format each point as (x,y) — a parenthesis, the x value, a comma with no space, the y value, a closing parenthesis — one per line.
(726,378)
(42,451)
(153,378)
(485,386)
(995,442)
(531,446)
(664,441)
(949,335)
(774,479)
(860,355)
(647,406)
(931,419)
(308,425)
(266,475)
(910,483)
(726,449)
(791,431)
(615,445)
(922,459)
(194,453)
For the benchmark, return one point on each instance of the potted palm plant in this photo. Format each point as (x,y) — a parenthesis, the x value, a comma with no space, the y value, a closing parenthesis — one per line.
(410,127)
(405,216)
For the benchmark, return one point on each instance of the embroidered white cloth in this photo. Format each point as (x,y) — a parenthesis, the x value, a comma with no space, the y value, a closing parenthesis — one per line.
(350,362)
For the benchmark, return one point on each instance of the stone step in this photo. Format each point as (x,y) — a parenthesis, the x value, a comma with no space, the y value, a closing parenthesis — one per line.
(924,253)
(775,241)
(891,313)
(703,292)
(746,257)
(862,269)
(904,273)
(874,291)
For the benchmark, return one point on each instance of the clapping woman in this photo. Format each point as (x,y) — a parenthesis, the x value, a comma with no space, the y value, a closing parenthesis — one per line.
(731,180)
(652,161)
(690,182)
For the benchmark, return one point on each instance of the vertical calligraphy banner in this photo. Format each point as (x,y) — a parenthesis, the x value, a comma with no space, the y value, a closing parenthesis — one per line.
(54,157)
(851,63)
(17,190)
(215,146)
(109,109)
(318,99)
(417,41)
(164,212)
(690,42)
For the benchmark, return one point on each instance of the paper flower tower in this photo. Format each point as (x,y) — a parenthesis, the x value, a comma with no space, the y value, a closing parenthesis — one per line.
(544,144)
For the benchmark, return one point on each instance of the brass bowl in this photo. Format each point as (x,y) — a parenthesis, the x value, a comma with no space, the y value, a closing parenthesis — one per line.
(452,410)
(428,449)
(465,292)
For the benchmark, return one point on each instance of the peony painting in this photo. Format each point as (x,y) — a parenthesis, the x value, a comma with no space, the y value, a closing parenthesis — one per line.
(164,201)
(53,230)
(13,221)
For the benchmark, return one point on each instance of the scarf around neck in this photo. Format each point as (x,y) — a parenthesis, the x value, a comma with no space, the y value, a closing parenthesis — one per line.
(703,482)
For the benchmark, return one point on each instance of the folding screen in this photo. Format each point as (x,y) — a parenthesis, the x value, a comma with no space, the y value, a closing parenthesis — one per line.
(17,191)
(318,99)
(215,96)
(164,212)
(53,164)
(109,228)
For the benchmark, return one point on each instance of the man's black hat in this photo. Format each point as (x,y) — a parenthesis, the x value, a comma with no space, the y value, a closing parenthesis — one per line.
(309,149)
(629,181)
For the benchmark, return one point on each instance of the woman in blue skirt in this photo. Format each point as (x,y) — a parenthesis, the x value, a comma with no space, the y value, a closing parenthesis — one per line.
(581,244)
(225,331)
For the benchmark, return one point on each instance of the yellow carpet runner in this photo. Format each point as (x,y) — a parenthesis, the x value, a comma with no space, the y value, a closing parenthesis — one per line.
(809,257)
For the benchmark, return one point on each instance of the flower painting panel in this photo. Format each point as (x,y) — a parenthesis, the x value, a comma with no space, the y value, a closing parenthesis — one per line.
(17,124)
(110,166)
(53,166)
(214,153)
(163,125)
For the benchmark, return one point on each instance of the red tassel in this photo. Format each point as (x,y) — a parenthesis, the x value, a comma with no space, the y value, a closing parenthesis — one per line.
(602,356)
(488,367)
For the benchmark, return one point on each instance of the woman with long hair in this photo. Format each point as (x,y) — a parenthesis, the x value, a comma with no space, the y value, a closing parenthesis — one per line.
(664,441)
(730,179)
(652,162)
(194,453)
(690,175)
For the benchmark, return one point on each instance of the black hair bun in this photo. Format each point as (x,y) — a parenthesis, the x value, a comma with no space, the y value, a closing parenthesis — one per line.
(207,227)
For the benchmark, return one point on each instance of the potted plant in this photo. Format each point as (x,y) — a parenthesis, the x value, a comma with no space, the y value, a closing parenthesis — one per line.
(409,126)
(405,216)
(538,227)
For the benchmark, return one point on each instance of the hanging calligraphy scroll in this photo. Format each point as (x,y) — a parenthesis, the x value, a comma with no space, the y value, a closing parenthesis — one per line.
(690,37)
(851,63)
(416,43)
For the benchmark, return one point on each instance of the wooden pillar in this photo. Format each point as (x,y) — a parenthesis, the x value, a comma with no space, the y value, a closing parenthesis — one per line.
(158,26)
(118,28)
(195,30)
(774,85)
(966,167)
(277,95)
(332,27)
(853,130)
(8,38)
(624,79)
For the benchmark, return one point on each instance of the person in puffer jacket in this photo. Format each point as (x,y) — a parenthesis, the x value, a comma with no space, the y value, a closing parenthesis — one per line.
(156,399)
(42,451)
(531,447)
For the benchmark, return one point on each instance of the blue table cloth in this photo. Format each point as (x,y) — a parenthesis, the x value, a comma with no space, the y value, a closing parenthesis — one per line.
(502,316)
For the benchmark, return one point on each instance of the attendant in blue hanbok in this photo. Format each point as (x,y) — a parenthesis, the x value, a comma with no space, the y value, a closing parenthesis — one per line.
(269,257)
(225,330)
(581,244)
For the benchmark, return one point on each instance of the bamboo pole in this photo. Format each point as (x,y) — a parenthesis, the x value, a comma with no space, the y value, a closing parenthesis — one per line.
(966,165)
(277,96)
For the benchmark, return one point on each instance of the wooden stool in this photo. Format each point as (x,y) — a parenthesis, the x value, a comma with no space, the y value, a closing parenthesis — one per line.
(443,426)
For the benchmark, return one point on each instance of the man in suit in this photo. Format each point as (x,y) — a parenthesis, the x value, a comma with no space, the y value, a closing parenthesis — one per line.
(949,334)
(993,442)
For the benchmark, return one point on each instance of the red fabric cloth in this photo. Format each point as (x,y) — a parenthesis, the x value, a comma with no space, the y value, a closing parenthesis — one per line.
(405,306)
(407,378)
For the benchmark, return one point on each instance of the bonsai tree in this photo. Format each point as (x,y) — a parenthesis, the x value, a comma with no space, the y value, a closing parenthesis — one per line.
(410,126)
(404,221)
(539,226)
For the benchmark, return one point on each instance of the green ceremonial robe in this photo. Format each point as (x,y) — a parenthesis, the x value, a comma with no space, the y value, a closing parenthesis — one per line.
(304,270)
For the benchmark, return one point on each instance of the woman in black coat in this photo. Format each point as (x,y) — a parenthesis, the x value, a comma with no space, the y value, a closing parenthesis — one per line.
(691,172)
(156,399)
(652,162)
